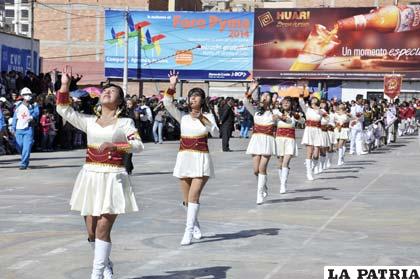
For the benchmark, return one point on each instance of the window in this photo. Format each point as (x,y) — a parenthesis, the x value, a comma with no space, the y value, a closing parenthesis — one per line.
(24,13)
(24,28)
(10,1)
(10,13)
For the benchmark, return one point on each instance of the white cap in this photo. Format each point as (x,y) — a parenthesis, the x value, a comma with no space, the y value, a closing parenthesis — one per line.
(26,91)
(2,99)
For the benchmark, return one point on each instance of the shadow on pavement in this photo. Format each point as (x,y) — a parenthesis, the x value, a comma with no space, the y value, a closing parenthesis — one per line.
(41,167)
(297,199)
(240,235)
(313,190)
(215,272)
(346,168)
(337,177)
(151,173)
(340,171)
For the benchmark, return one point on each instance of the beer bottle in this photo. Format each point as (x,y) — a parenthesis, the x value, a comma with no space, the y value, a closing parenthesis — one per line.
(386,19)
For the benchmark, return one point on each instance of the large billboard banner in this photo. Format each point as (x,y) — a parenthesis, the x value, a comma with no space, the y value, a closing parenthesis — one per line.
(200,46)
(342,43)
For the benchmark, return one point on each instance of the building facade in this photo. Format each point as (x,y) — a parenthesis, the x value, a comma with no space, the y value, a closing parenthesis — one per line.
(73,33)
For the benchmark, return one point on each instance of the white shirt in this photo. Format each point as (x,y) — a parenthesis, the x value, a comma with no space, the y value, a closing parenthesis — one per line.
(23,117)
(357,109)
(148,116)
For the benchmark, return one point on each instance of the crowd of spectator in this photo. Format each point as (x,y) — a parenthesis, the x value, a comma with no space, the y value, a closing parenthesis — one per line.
(152,120)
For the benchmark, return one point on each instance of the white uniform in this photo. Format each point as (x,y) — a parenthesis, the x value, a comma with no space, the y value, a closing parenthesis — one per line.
(192,163)
(102,187)
(286,144)
(356,141)
(260,143)
(331,132)
(311,135)
(342,133)
(325,139)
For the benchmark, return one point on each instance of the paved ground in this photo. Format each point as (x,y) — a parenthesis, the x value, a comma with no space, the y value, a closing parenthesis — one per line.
(364,213)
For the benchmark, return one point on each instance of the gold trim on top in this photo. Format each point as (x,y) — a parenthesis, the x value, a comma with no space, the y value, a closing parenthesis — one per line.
(263,134)
(195,137)
(119,148)
(104,164)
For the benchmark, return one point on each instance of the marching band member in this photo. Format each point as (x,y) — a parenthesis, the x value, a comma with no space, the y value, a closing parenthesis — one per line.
(403,116)
(262,144)
(356,142)
(312,135)
(331,134)
(390,119)
(193,163)
(411,119)
(326,143)
(342,131)
(102,189)
(286,146)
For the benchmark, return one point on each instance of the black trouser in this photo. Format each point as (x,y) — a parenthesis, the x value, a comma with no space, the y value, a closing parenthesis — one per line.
(226,134)
(128,162)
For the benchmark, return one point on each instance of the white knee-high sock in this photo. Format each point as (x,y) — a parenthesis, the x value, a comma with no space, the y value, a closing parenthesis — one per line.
(102,252)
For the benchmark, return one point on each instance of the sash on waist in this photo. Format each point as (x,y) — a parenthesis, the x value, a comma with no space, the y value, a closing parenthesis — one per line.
(286,132)
(111,158)
(198,144)
(312,123)
(264,129)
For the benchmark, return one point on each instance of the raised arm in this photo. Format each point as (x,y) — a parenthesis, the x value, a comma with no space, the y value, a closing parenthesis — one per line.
(64,109)
(248,97)
(302,104)
(168,97)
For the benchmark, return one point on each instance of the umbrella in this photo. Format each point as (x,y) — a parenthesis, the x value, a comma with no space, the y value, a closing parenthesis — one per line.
(94,92)
(79,93)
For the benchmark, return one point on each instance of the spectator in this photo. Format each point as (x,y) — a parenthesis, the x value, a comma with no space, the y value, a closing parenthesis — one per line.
(146,118)
(227,120)
(45,129)
(158,123)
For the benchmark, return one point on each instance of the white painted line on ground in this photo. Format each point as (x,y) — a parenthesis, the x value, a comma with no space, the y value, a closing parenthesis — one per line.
(22,264)
(324,226)
(55,251)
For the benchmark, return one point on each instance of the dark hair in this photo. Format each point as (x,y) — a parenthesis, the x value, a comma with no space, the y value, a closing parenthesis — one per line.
(121,96)
(261,109)
(196,91)
(318,101)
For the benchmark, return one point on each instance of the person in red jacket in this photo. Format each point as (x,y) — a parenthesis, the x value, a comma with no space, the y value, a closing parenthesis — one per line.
(45,128)
(411,119)
(402,126)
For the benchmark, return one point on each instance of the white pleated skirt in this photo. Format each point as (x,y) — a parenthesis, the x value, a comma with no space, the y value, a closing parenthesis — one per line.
(192,164)
(261,144)
(325,138)
(286,146)
(97,193)
(344,134)
(331,135)
(312,136)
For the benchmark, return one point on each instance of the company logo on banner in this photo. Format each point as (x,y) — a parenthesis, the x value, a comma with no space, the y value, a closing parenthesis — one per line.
(16,59)
(392,85)
(203,46)
(348,43)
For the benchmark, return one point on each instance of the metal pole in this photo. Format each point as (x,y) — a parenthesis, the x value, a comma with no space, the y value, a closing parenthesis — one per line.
(32,37)
(125,76)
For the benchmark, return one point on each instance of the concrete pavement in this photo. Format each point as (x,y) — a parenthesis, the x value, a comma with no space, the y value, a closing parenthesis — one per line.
(363,213)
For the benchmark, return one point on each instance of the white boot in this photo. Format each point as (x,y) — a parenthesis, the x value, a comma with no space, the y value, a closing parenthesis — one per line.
(109,268)
(328,162)
(191,219)
(102,252)
(280,177)
(262,180)
(343,148)
(197,230)
(321,166)
(308,163)
(340,157)
(315,164)
(284,175)
(265,188)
